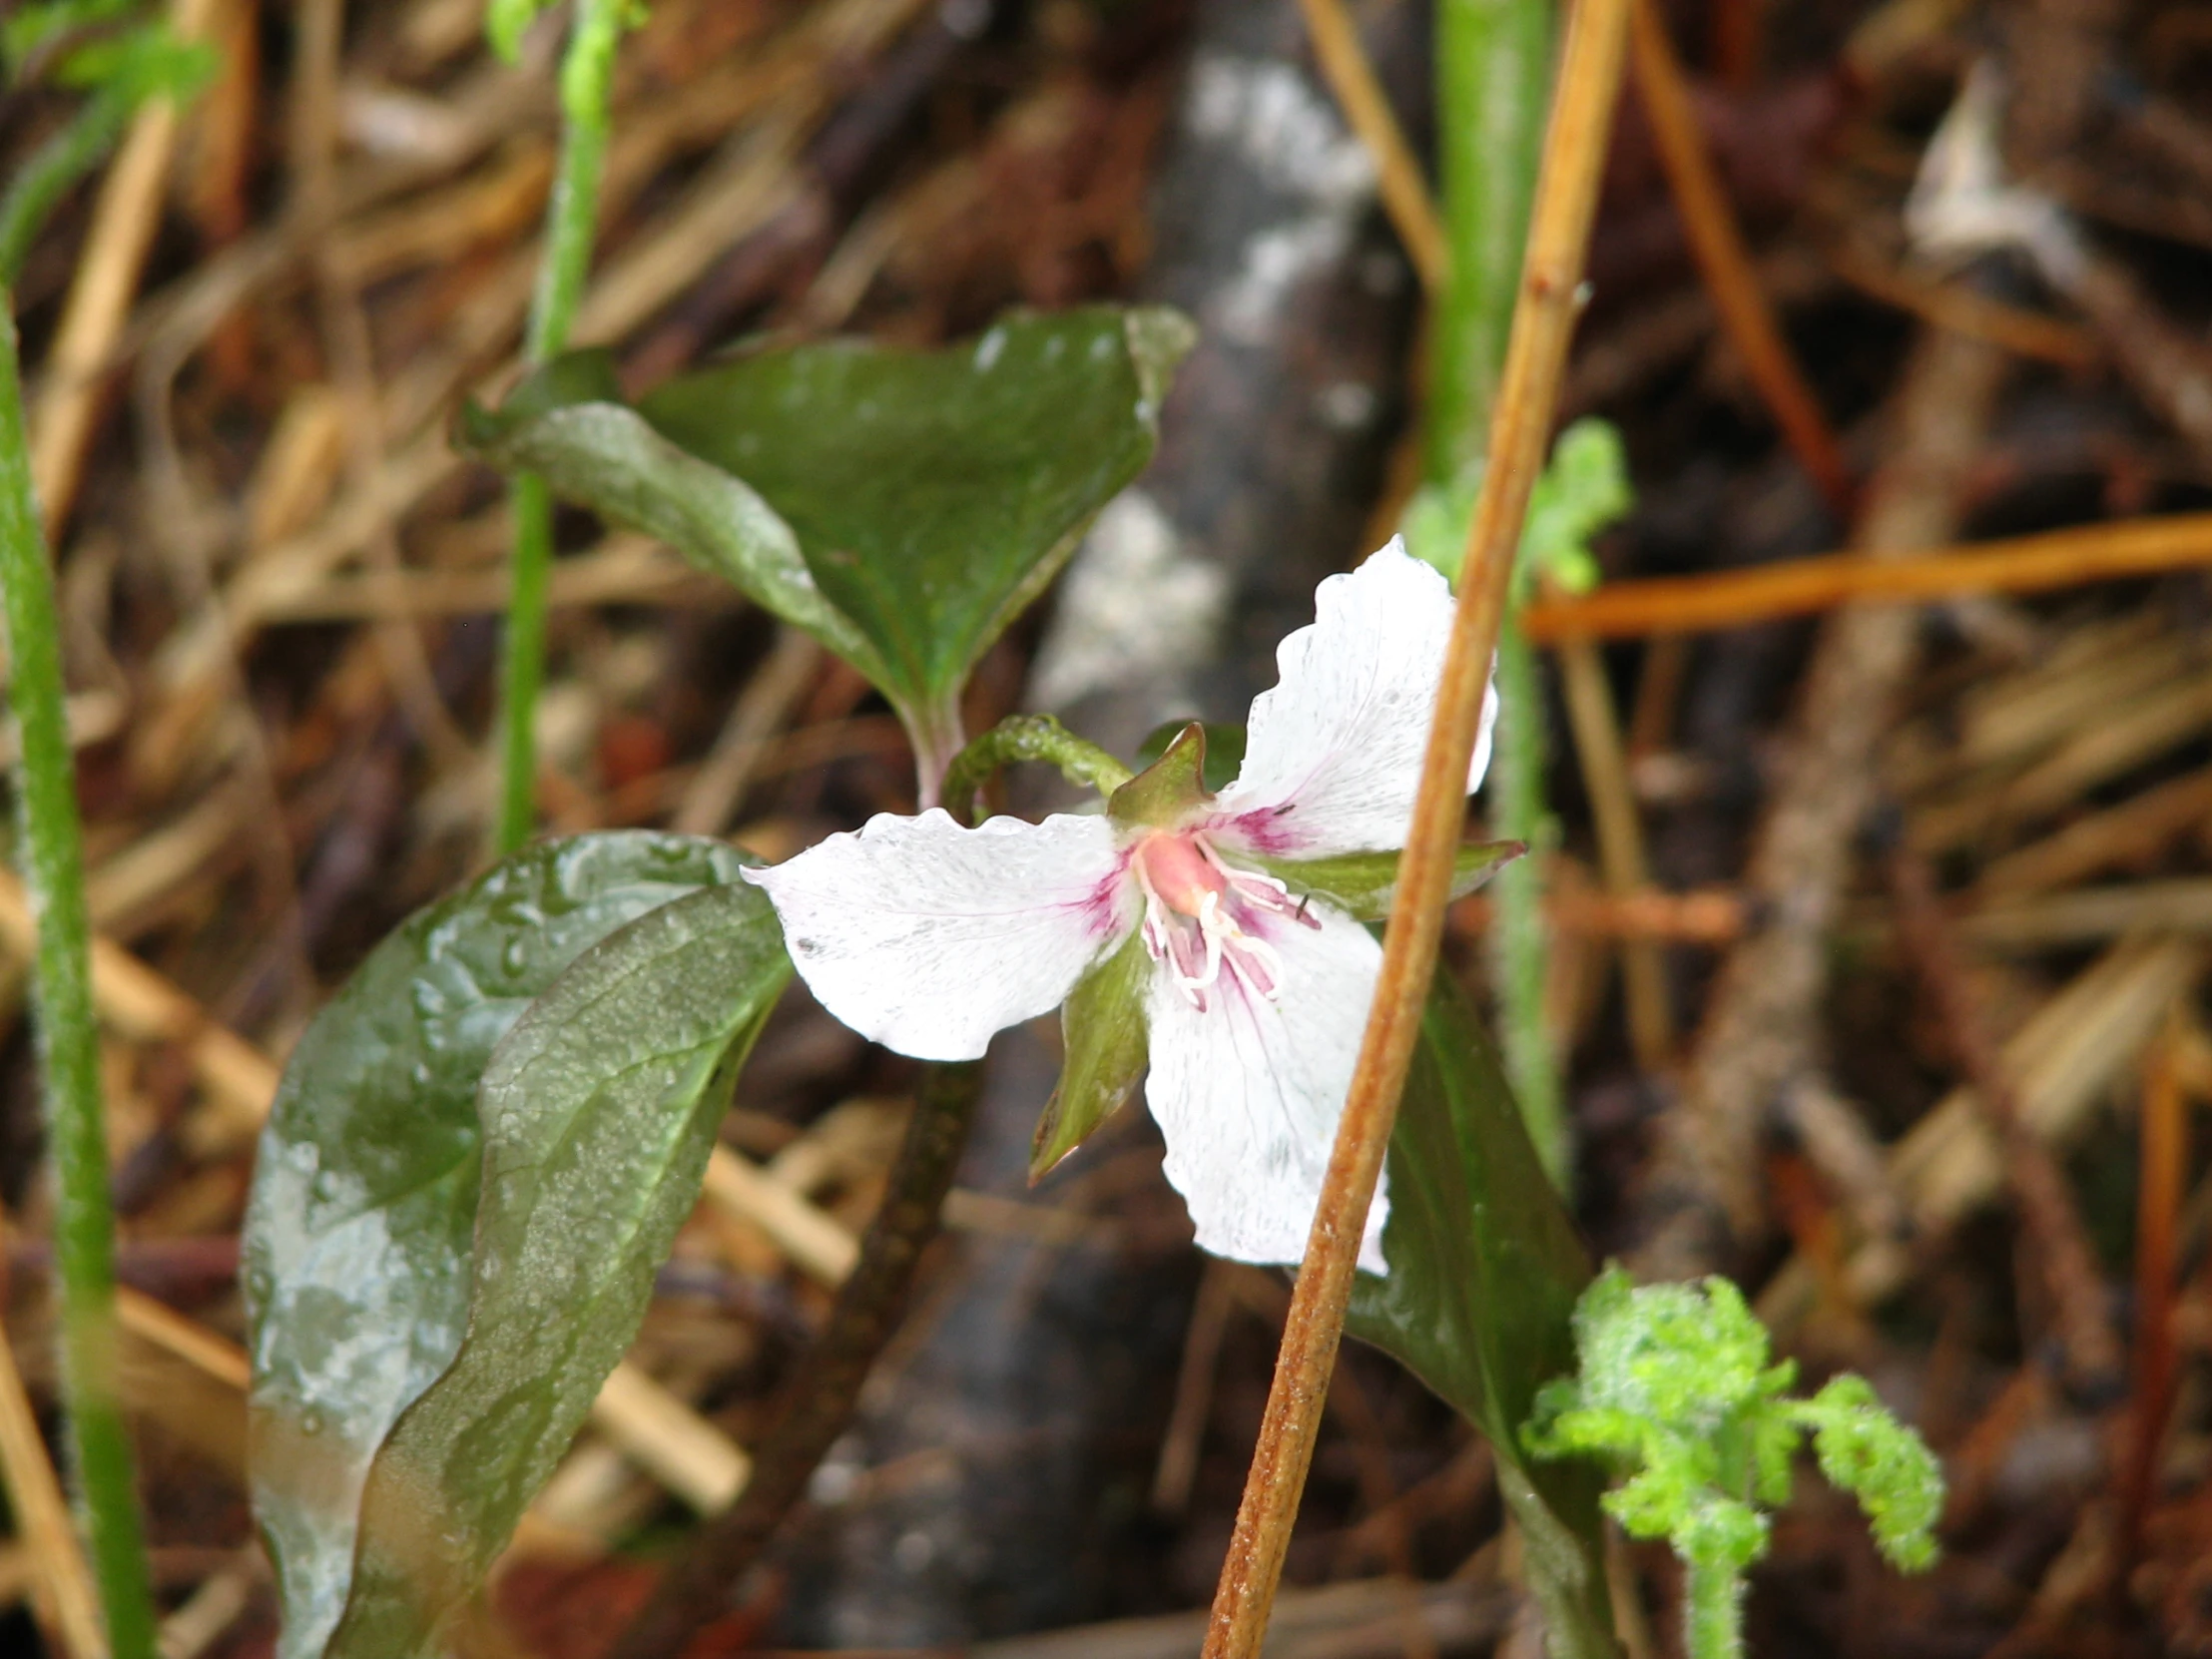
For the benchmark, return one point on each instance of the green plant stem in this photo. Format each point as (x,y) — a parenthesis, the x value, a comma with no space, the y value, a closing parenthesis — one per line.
(572,217)
(1493,61)
(522,663)
(820,1400)
(53,168)
(1028,738)
(1519,943)
(1493,71)
(939,739)
(69,1048)
(1713,1601)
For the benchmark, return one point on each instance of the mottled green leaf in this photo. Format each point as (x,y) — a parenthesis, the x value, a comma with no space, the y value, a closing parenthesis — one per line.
(599,1110)
(1363,883)
(1484,1269)
(936,493)
(1102,1026)
(357,1234)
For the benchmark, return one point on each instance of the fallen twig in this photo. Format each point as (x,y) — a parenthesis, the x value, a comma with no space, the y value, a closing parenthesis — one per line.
(1801,587)
(1544,322)
(1723,260)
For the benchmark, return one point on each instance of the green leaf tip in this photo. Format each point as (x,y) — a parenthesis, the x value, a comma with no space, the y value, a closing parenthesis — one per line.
(1675,1392)
(1159,338)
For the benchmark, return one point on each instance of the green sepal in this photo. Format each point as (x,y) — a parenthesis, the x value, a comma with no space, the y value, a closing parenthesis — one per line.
(1225,750)
(1102,1027)
(1172,791)
(1363,883)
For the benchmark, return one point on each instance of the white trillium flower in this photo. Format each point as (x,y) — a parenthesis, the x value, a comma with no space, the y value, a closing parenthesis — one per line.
(1229,925)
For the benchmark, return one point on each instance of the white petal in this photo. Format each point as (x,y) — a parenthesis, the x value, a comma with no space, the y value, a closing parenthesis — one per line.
(926,936)
(1332,754)
(1248,1093)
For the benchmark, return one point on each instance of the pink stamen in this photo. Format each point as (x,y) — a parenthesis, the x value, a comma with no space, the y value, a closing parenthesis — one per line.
(1200,914)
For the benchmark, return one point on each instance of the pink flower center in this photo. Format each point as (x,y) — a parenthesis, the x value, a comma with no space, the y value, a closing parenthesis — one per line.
(1201,914)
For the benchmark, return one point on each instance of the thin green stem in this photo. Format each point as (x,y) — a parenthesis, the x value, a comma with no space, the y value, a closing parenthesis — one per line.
(939,737)
(1493,61)
(572,218)
(522,665)
(56,166)
(1494,74)
(1520,942)
(1713,1611)
(1027,737)
(69,1048)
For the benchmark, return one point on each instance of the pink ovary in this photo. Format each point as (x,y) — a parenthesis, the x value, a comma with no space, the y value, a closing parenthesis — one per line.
(1201,914)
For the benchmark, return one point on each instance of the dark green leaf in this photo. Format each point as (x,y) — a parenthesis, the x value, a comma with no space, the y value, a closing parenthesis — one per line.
(1363,883)
(599,1111)
(606,457)
(936,493)
(1484,1269)
(901,507)
(358,1234)
(1102,1025)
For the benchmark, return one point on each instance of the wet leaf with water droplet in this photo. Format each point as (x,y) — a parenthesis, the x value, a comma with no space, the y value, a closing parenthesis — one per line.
(1484,1270)
(599,1110)
(359,1235)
